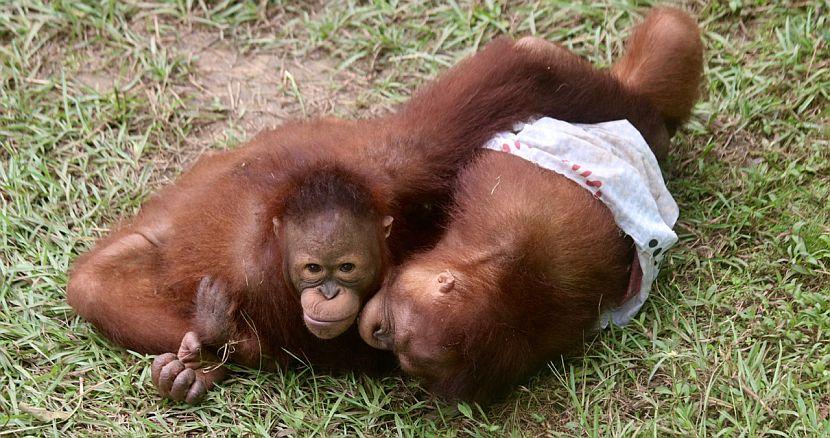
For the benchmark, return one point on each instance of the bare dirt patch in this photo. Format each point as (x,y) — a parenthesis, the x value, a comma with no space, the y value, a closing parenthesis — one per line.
(230,90)
(99,75)
(263,88)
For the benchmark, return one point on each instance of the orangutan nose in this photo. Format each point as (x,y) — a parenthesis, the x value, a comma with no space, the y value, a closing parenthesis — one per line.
(371,326)
(329,290)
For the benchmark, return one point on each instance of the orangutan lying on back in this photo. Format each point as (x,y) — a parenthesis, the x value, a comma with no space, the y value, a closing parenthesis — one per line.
(556,231)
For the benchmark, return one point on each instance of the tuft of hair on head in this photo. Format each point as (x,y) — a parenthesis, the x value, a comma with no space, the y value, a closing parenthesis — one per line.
(327,186)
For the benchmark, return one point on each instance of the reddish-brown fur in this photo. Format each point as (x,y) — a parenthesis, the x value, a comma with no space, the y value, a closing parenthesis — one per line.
(663,40)
(533,258)
(138,284)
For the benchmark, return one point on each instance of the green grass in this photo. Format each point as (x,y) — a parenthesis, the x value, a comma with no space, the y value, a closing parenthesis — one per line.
(99,106)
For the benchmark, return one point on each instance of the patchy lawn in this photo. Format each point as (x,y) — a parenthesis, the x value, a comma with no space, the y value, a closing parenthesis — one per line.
(103,102)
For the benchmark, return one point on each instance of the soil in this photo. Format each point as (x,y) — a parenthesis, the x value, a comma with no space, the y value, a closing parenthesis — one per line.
(262,88)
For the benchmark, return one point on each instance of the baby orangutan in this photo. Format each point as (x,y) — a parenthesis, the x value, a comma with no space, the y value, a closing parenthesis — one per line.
(334,251)
(532,259)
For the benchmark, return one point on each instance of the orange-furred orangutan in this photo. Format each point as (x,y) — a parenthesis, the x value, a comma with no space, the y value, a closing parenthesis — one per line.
(531,259)
(272,248)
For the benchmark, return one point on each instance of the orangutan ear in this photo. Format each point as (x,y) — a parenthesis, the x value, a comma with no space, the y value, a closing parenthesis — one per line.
(276,222)
(446,281)
(387,225)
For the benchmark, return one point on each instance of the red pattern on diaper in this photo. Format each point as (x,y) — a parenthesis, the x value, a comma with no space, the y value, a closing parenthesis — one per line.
(506,147)
(592,183)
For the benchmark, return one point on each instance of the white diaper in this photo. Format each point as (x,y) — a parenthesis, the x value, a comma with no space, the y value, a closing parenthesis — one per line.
(614,162)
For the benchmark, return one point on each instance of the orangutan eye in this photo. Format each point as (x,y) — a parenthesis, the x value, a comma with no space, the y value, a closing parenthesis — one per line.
(347,267)
(314,268)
